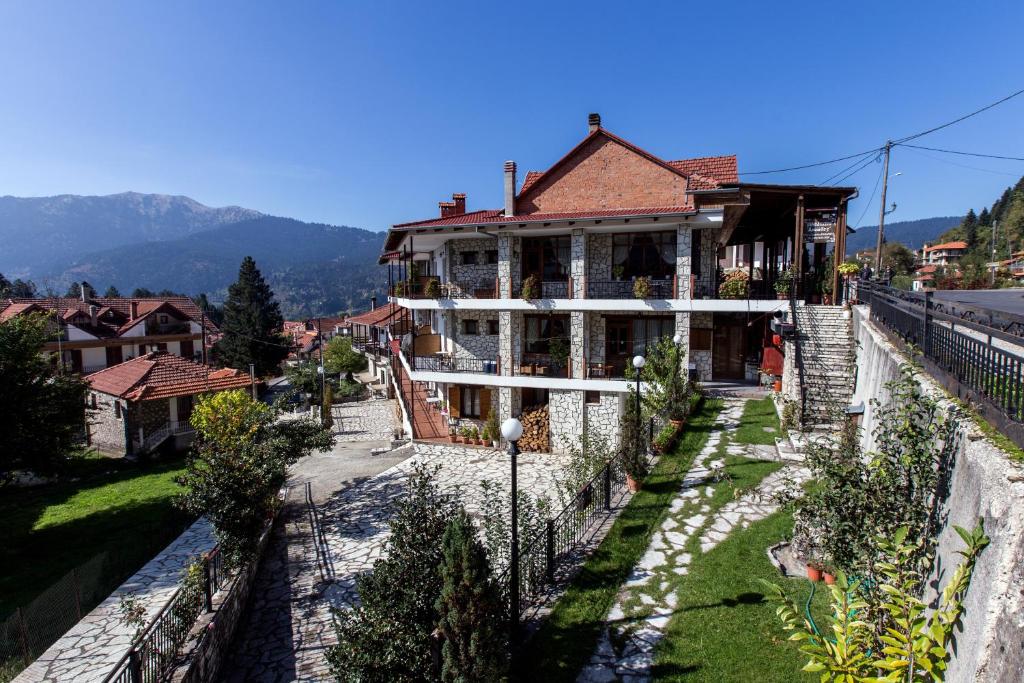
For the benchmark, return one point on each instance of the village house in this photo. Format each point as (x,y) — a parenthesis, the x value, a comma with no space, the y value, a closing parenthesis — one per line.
(541,305)
(96,333)
(945,254)
(145,403)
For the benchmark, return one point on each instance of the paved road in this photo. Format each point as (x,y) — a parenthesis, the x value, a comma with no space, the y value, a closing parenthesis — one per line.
(287,627)
(1007,300)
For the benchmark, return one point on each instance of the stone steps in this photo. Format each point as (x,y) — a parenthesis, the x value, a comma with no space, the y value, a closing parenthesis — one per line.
(825,337)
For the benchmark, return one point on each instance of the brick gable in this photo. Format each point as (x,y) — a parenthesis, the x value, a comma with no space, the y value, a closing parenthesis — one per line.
(603,174)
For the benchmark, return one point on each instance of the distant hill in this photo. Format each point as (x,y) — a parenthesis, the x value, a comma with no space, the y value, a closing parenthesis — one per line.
(911,233)
(38,233)
(313,268)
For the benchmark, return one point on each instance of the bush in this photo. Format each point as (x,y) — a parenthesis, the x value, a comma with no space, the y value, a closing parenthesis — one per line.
(905,283)
(784,282)
(665,438)
(642,288)
(586,458)
(736,285)
(531,288)
(432,289)
(633,450)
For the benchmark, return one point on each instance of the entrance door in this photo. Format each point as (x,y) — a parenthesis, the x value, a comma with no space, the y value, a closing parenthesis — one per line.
(619,344)
(729,344)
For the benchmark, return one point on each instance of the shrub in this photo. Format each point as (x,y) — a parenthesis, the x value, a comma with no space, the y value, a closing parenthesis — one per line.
(642,288)
(495,515)
(784,282)
(432,289)
(905,283)
(492,425)
(531,288)
(665,438)
(736,285)
(326,414)
(587,456)
(633,450)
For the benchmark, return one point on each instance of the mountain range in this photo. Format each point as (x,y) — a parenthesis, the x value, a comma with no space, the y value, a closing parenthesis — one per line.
(911,233)
(162,242)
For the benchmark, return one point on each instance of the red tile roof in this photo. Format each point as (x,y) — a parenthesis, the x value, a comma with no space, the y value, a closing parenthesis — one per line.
(115,314)
(947,245)
(717,169)
(496,216)
(382,315)
(531,178)
(159,374)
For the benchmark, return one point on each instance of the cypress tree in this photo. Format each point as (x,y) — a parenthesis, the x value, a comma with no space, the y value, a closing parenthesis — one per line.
(252,324)
(971,229)
(984,219)
(473,621)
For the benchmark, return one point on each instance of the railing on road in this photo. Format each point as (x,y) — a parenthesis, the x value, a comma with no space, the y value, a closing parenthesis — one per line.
(966,361)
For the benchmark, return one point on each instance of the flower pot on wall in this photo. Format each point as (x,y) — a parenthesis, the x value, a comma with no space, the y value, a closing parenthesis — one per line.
(829,578)
(813,573)
(777,386)
(632,483)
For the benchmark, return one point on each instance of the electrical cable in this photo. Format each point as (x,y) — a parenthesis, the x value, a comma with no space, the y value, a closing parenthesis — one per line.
(969,154)
(953,163)
(958,120)
(820,163)
(855,163)
(867,206)
(854,172)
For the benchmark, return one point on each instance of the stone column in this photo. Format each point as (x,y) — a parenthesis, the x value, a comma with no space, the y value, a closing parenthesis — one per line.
(684,236)
(579,331)
(504,266)
(683,329)
(505,341)
(578,267)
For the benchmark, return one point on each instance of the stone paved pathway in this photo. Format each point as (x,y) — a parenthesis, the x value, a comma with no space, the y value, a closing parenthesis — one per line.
(372,420)
(646,602)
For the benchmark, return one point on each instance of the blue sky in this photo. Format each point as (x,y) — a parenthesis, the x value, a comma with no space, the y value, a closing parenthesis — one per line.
(369,113)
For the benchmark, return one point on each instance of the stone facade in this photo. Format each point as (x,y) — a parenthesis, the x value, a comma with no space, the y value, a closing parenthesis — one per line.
(705,282)
(701,359)
(602,418)
(566,418)
(106,429)
(476,275)
(599,257)
(481,345)
(578,323)
(597,338)
(578,264)
(684,235)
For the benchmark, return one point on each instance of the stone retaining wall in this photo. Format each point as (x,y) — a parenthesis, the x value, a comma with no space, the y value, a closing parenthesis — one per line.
(985,484)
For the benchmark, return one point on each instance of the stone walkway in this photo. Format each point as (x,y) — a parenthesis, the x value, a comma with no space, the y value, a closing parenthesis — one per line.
(372,420)
(647,601)
(93,646)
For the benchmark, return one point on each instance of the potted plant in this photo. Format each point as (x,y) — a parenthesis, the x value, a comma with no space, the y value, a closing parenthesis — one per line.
(736,285)
(477,439)
(559,350)
(433,289)
(784,284)
(777,385)
(399,288)
(618,272)
(634,461)
(849,268)
(642,287)
(828,576)
(493,428)
(665,438)
(464,434)
(485,435)
(453,435)
(531,288)
(814,568)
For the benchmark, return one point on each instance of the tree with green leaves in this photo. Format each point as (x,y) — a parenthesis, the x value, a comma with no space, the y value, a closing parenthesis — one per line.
(897,257)
(142,293)
(112,293)
(75,290)
(43,410)
(238,463)
(304,377)
(970,227)
(473,624)
(387,636)
(252,325)
(340,357)
(984,218)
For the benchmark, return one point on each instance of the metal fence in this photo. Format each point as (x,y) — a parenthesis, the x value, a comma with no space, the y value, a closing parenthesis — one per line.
(155,650)
(982,362)
(541,557)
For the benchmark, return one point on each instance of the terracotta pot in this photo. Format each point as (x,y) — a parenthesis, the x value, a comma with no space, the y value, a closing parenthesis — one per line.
(454,438)
(813,573)
(480,442)
(777,386)
(632,483)
(829,578)
(777,339)
(781,297)
(678,424)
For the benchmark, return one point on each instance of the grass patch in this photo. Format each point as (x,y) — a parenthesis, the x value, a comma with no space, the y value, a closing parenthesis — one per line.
(757,416)
(567,638)
(99,505)
(723,630)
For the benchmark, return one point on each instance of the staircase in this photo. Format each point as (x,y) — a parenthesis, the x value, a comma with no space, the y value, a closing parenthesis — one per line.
(825,362)
(427,421)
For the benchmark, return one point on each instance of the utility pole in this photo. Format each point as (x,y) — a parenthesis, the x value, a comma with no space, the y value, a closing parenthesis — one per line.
(252,379)
(994,224)
(323,372)
(881,211)
(202,316)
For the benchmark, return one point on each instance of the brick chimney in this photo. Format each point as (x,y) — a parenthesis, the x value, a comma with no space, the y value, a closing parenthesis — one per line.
(135,310)
(447,209)
(593,122)
(510,188)
(459,199)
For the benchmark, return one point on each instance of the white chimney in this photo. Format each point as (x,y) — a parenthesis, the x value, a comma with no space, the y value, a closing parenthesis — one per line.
(93,309)
(83,289)
(510,188)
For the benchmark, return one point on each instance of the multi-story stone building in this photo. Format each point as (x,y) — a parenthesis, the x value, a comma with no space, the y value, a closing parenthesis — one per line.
(543,302)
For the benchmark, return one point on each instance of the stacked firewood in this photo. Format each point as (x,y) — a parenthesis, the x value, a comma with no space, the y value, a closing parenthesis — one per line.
(536,434)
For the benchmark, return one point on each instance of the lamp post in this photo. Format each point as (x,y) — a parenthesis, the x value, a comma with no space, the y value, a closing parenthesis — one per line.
(638,362)
(512,429)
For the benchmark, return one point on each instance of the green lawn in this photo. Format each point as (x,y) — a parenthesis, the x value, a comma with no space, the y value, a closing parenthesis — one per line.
(567,638)
(757,415)
(100,505)
(722,629)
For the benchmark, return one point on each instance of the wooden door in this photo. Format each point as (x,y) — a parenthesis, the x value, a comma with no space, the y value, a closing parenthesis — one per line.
(728,348)
(618,344)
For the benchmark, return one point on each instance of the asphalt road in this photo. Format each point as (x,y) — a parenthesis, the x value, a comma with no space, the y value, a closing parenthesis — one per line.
(1006,300)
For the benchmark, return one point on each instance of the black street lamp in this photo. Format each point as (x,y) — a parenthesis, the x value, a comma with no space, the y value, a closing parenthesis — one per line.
(638,363)
(512,429)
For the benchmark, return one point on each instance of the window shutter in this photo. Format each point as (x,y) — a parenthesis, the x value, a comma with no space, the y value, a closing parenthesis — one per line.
(454,401)
(485,403)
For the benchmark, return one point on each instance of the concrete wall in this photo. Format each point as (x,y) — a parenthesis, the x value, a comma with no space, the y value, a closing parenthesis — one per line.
(985,484)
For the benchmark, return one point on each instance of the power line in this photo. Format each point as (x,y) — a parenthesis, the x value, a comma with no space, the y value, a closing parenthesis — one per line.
(962,118)
(854,172)
(839,173)
(870,199)
(968,154)
(953,163)
(820,163)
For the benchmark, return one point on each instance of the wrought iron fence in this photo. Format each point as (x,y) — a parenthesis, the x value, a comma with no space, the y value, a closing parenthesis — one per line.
(981,362)
(623,289)
(446,363)
(154,651)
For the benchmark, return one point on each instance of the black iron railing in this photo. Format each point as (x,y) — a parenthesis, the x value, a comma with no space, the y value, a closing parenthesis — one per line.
(624,289)
(446,363)
(155,651)
(977,354)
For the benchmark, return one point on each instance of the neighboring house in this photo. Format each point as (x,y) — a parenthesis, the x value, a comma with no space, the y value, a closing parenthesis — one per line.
(924,278)
(96,333)
(140,404)
(584,232)
(947,253)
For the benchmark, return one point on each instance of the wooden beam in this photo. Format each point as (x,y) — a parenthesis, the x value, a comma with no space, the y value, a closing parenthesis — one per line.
(839,252)
(798,244)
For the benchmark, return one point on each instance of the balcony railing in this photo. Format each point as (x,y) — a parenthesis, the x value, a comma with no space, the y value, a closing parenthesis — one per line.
(542,365)
(447,363)
(625,289)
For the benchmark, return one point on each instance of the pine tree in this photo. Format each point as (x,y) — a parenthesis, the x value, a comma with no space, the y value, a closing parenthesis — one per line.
(112,293)
(970,225)
(472,612)
(984,218)
(252,324)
